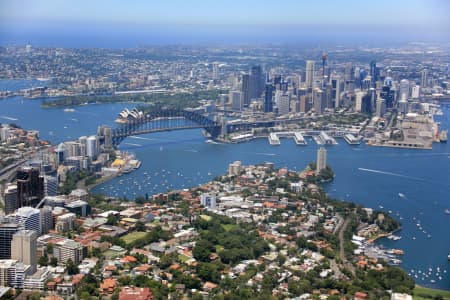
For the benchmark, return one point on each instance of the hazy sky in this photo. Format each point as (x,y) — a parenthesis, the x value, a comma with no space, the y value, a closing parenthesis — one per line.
(53,21)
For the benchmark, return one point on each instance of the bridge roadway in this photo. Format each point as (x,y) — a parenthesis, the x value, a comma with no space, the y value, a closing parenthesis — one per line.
(125,134)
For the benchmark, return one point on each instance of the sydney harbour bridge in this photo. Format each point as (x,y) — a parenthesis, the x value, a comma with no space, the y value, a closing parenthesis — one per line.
(173,119)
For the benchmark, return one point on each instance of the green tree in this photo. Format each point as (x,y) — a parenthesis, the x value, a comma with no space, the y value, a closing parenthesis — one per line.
(71,267)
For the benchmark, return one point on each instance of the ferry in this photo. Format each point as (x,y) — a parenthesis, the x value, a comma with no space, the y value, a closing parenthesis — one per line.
(443,136)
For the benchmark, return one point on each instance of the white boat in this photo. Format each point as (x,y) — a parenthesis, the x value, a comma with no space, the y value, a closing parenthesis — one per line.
(401,195)
(447,211)
(443,136)
(68,110)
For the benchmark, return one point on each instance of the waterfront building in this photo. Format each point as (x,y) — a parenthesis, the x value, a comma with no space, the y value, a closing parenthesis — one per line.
(23,248)
(29,218)
(310,64)
(7,230)
(68,249)
(4,133)
(234,169)
(92,147)
(208,200)
(321,159)
(30,186)
(10,198)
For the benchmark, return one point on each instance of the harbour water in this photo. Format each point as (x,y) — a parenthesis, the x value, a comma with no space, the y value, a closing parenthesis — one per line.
(413,185)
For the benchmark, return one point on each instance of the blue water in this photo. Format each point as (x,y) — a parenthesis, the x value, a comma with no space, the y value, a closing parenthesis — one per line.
(13,85)
(369,176)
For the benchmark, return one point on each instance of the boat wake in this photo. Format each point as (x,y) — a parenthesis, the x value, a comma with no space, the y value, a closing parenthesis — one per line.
(9,118)
(131,144)
(140,138)
(395,174)
(213,142)
(267,154)
(191,150)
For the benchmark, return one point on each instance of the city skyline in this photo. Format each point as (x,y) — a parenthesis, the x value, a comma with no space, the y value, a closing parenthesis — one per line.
(116,24)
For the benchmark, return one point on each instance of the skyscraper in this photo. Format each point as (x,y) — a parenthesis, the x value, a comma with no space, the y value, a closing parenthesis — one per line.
(321,159)
(7,230)
(268,106)
(336,89)
(309,73)
(10,198)
(23,248)
(236,100)
(424,79)
(246,89)
(30,186)
(92,147)
(257,82)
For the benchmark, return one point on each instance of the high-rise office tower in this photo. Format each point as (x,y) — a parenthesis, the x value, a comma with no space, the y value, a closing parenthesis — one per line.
(404,89)
(374,72)
(29,218)
(336,89)
(10,198)
(424,79)
(236,100)
(46,219)
(283,102)
(268,105)
(50,185)
(381,107)
(23,248)
(92,147)
(319,100)
(321,159)
(7,230)
(215,71)
(387,95)
(309,73)
(359,100)
(246,89)
(30,186)
(257,81)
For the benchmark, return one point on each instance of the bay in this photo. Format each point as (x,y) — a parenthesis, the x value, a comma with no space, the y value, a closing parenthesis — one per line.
(366,175)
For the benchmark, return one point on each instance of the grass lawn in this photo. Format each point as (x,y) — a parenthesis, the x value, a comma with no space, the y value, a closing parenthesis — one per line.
(133,236)
(421,293)
(206,218)
(228,227)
